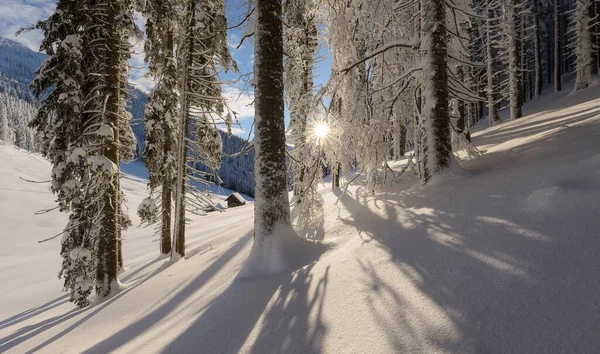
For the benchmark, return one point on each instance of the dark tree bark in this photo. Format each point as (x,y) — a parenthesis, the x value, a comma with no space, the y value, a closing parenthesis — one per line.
(557,46)
(179,229)
(108,247)
(537,51)
(435,119)
(167,183)
(271,196)
(491,65)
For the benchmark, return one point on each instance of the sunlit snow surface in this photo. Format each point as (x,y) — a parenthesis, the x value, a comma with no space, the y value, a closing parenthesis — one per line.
(499,257)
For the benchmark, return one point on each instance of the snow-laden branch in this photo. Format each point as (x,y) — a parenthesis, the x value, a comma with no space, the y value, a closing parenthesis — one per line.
(411,44)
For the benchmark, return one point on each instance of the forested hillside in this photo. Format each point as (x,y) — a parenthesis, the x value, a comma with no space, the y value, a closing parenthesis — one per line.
(18,65)
(18,107)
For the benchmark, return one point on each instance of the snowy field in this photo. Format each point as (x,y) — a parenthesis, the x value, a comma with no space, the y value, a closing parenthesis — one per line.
(499,257)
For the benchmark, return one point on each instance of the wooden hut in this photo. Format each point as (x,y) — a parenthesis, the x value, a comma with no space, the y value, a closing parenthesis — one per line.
(235,200)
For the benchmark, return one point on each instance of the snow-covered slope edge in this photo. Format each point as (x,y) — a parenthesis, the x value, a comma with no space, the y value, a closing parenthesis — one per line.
(501,259)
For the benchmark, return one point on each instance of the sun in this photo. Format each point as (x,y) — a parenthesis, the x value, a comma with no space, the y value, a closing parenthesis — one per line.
(321,130)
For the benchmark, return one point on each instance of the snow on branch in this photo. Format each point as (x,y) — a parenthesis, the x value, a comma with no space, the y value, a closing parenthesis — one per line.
(411,44)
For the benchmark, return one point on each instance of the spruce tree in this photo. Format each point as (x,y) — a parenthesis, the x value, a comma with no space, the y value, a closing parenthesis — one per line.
(86,135)
(161,117)
(201,53)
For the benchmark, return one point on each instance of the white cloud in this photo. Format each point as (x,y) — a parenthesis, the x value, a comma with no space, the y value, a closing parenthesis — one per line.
(15,15)
(241,102)
(239,132)
(142,82)
(233,40)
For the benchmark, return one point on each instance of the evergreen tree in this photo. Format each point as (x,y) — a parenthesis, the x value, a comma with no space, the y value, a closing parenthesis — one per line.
(86,135)
(4,129)
(161,117)
(201,52)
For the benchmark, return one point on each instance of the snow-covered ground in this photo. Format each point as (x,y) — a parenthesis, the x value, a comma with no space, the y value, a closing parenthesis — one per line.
(499,257)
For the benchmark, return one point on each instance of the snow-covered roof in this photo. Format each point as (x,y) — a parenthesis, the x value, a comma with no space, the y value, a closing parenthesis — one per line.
(237,196)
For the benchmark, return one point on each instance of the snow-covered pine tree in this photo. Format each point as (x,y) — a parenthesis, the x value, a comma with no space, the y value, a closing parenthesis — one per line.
(59,121)
(86,134)
(582,41)
(108,139)
(4,129)
(201,53)
(161,117)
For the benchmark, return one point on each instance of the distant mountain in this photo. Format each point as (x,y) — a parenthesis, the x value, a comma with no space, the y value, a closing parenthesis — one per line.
(17,69)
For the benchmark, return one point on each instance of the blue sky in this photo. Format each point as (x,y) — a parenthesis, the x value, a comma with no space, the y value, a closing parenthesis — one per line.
(15,14)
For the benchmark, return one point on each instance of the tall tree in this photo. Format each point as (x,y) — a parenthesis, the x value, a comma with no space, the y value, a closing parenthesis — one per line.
(514,69)
(301,45)
(106,123)
(86,135)
(201,53)
(435,152)
(161,117)
(271,210)
(491,89)
(558,32)
(583,43)
(539,82)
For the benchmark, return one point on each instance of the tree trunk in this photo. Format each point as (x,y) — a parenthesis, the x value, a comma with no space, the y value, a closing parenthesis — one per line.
(167,182)
(335,183)
(460,122)
(557,47)
(271,196)
(537,51)
(513,62)
(184,127)
(583,46)
(491,64)
(436,149)
(549,60)
(108,247)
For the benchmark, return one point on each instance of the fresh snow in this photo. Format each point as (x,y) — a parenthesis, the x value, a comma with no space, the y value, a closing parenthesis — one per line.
(499,257)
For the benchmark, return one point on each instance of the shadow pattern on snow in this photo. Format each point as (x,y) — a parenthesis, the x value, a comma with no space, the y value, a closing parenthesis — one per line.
(27,332)
(516,272)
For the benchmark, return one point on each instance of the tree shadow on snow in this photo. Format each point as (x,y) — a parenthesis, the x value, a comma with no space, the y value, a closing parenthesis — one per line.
(225,323)
(503,276)
(28,332)
(284,302)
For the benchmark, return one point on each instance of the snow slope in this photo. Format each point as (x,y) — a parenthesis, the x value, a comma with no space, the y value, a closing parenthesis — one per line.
(501,257)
